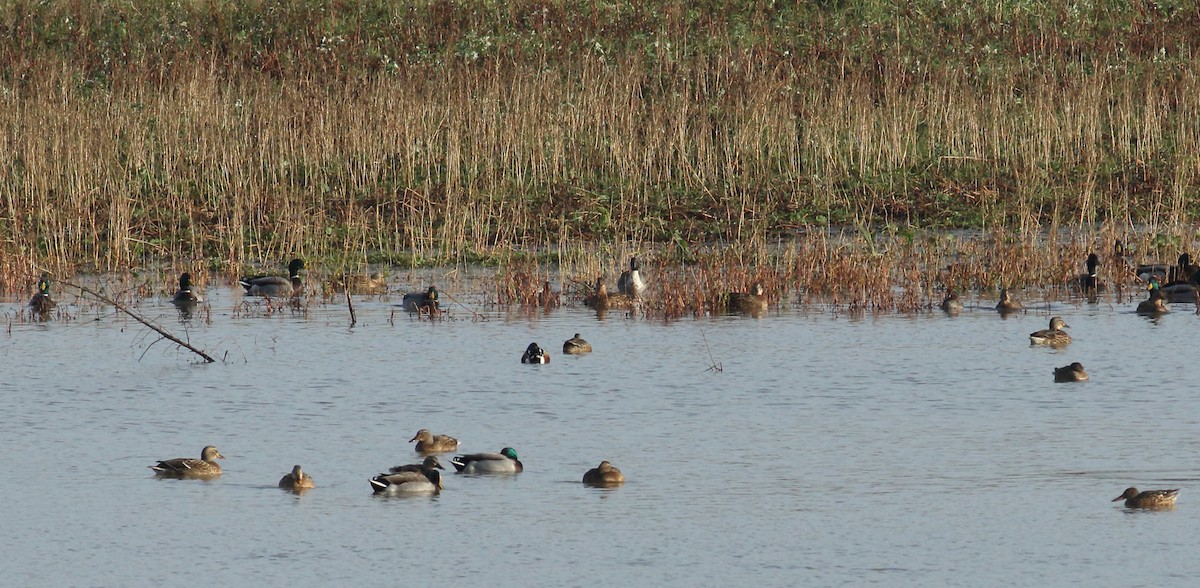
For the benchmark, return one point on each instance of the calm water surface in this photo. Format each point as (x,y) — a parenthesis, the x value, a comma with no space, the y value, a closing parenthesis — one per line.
(831,450)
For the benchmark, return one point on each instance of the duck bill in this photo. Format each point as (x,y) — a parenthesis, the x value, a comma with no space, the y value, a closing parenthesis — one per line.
(1121,497)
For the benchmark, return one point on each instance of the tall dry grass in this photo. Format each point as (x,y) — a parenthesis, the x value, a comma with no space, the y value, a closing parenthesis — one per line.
(282,139)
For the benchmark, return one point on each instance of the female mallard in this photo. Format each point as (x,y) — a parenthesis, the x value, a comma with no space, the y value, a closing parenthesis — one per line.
(429,443)
(1070,373)
(185,294)
(429,463)
(1007,302)
(186,467)
(297,480)
(1054,336)
(42,303)
(1149,498)
(754,301)
(535,354)
(421,302)
(603,476)
(276,285)
(602,300)
(376,283)
(1156,304)
(424,481)
(505,462)
(951,304)
(630,283)
(576,346)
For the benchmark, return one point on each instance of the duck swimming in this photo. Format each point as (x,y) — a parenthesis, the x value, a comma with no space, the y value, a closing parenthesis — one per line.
(1055,336)
(505,462)
(1007,303)
(603,476)
(951,304)
(1149,498)
(576,346)
(184,467)
(535,354)
(1070,373)
(185,295)
(297,480)
(276,286)
(42,303)
(422,302)
(631,283)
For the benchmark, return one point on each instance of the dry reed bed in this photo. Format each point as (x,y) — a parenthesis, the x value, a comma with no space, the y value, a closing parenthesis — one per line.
(457,163)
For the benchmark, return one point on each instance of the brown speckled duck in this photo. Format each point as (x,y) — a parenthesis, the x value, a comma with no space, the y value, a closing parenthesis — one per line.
(576,346)
(600,299)
(1055,336)
(186,467)
(429,443)
(1007,303)
(1149,498)
(603,476)
(297,480)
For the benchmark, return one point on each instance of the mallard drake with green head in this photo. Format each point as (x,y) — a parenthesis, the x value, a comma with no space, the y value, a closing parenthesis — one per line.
(1148,498)
(505,462)
(1070,373)
(186,467)
(429,463)
(42,303)
(276,286)
(424,481)
(185,295)
(631,283)
(297,480)
(1156,304)
(429,443)
(753,302)
(535,354)
(1007,303)
(576,346)
(1054,336)
(603,476)
(422,302)
(951,303)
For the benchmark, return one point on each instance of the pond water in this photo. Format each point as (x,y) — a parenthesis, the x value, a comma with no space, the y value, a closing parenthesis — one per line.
(831,449)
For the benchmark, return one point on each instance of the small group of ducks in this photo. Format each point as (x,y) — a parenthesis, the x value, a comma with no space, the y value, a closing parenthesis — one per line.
(418,478)
(574,346)
(630,286)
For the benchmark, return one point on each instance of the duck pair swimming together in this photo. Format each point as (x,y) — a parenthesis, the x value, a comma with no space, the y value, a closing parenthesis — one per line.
(419,478)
